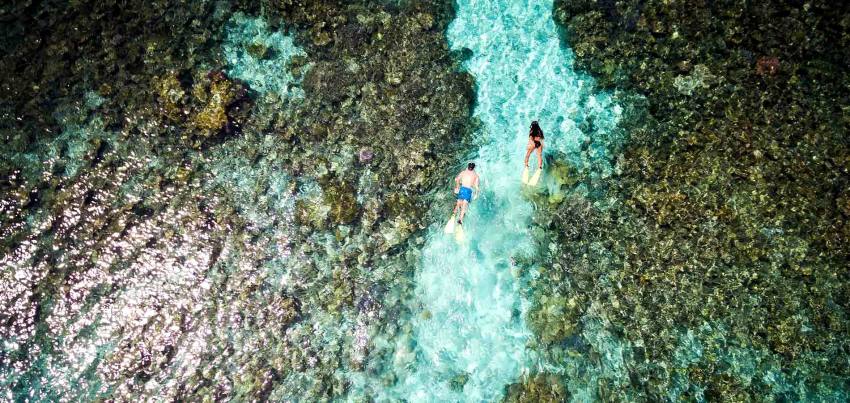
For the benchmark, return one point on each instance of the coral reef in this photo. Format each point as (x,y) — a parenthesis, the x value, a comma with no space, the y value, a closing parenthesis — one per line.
(204,200)
(214,105)
(225,200)
(537,388)
(56,54)
(340,197)
(261,57)
(723,216)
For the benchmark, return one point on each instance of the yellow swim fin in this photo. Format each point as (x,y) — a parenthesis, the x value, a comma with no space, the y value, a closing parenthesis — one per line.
(525,176)
(450,226)
(459,235)
(536,178)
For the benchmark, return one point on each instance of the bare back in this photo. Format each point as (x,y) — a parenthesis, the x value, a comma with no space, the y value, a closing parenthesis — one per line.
(468,179)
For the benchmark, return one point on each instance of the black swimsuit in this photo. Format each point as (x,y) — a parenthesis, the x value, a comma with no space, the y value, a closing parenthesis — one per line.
(536,142)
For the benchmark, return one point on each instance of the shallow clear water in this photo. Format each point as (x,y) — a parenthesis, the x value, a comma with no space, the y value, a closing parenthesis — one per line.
(143,289)
(158,275)
(470,337)
(265,75)
(182,299)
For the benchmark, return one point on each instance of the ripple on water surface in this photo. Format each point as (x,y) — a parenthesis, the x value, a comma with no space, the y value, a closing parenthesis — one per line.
(470,335)
(125,279)
(128,285)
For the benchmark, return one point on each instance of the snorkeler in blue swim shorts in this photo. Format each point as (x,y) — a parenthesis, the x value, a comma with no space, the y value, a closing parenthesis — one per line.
(465,182)
(464,193)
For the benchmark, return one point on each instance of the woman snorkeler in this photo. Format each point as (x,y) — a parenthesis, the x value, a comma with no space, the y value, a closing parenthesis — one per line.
(535,143)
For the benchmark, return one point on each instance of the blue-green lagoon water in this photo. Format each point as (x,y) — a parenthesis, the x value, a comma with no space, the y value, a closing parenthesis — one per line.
(249,206)
(470,322)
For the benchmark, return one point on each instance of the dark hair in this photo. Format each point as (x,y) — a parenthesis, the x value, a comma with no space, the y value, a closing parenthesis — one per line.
(470,166)
(535,131)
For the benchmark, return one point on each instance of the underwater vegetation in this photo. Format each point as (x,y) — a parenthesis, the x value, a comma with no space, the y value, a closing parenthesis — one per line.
(214,201)
(717,253)
(227,201)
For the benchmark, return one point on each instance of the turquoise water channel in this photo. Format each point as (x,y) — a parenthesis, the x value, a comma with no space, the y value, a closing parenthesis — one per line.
(197,304)
(470,336)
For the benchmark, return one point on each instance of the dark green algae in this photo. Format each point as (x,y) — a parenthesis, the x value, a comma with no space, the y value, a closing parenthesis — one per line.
(725,230)
(729,205)
(378,81)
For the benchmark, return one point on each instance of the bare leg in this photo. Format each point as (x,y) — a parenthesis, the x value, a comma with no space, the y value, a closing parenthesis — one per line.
(539,158)
(528,151)
(463,204)
(454,210)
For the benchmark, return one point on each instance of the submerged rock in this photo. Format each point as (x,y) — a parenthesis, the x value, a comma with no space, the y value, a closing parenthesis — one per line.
(213,105)
(240,258)
(699,78)
(365,155)
(340,197)
(712,216)
(212,116)
(767,66)
(539,387)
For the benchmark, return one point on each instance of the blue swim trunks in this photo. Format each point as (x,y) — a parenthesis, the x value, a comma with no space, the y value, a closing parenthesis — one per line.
(465,193)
